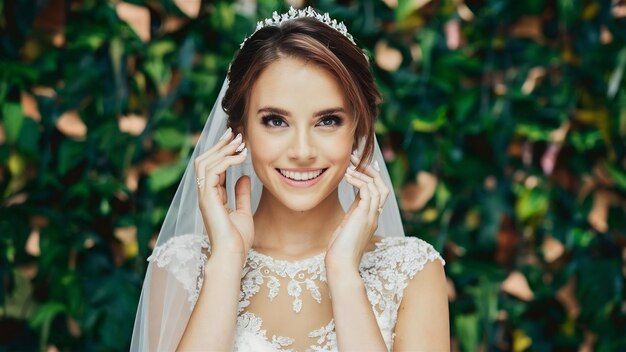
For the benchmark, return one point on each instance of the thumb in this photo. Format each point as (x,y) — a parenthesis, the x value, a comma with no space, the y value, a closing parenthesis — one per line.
(242,195)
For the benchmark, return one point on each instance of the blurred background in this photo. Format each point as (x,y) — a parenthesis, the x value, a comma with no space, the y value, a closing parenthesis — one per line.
(503,126)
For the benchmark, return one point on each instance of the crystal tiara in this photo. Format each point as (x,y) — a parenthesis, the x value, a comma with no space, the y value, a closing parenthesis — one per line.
(277,19)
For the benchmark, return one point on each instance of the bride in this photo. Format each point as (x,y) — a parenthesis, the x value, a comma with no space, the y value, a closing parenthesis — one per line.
(279,236)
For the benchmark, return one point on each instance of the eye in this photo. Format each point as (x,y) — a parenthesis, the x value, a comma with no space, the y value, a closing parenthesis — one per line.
(330,121)
(273,121)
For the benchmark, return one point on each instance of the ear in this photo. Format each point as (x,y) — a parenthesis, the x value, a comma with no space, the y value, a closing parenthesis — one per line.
(238,129)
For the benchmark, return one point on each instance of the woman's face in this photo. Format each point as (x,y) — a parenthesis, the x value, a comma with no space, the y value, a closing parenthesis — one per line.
(299,132)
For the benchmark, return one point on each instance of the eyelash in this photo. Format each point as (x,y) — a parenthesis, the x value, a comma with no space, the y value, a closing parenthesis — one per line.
(267,121)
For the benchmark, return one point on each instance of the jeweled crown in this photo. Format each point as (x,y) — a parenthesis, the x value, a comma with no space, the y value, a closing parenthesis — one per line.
(277,19)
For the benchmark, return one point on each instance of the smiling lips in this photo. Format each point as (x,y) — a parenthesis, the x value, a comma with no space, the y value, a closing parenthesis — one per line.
(301,178)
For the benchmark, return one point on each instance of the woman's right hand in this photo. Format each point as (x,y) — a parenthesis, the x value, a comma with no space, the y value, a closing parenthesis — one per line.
(231,231)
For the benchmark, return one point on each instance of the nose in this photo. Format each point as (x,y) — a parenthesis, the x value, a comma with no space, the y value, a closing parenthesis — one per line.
(302,146)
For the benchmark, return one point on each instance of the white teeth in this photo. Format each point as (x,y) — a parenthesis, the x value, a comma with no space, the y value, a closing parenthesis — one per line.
(300,176)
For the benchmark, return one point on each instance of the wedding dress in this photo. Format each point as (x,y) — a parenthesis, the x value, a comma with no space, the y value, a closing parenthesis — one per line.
(285,305)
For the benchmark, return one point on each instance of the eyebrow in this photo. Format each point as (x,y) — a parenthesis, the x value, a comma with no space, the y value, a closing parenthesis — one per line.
(278,111)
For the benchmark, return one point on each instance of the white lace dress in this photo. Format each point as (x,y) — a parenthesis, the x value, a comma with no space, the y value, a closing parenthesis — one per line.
(286,305)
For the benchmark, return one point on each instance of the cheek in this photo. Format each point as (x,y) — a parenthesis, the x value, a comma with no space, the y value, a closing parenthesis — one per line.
(338,151)
(263,149)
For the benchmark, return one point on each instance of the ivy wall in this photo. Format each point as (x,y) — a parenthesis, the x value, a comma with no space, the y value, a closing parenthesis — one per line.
(503,125)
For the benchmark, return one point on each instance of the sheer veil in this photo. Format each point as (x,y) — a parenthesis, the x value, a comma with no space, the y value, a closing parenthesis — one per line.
(173,278)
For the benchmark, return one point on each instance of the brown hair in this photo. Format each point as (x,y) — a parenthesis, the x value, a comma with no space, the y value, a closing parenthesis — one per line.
(310,40)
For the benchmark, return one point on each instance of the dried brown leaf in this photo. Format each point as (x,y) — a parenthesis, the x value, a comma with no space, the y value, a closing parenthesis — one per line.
(415,195)
(387,58)
(598,216)
(32,243)
(190,8)
(71,125)
(517,285)
(30,107)
(566,295)
(132,124)
(552,249)
(137,17)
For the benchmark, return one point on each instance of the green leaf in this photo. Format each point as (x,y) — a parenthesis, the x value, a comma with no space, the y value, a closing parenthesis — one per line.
(166,176)
(534,132)
(45,313)
(428,40)
(170,137)
(569,11)
(618,175)
(13,120)
(618,74)
(70,154)
(431,123)
(531,203)
(29,137)
(466,326)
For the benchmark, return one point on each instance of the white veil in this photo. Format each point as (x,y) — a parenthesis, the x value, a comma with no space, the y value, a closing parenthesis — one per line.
(173,278)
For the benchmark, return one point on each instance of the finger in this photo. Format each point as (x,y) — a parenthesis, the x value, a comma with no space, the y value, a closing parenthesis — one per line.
(374,199)
(374,195)
(373,171)
(233,148)
(221,191)
(226,138)
(214,173)
(364,194)
(242,195)
(212,156)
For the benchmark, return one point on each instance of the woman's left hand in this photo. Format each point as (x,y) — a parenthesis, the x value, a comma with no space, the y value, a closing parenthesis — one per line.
(350,240)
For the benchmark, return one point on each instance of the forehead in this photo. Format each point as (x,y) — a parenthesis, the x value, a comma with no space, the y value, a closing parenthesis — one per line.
(296,86)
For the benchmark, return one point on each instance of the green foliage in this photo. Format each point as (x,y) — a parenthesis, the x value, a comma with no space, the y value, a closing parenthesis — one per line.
(503,124)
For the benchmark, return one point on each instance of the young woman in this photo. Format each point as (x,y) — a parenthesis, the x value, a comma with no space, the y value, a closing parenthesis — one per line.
(293,260)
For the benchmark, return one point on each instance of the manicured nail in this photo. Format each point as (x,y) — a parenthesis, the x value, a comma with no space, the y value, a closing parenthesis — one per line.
(226,134)
(244,152)
(237,139)
(376,166)
(240,147)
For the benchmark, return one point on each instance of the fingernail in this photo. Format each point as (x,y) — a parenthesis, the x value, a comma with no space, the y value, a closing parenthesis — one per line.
(240,147)
(376,166)
(226,134)
(244,152)
(237,139)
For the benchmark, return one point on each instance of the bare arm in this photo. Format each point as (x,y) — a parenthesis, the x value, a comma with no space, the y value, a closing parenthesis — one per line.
(213,320)
(423,323)
(355,324)
(231,232)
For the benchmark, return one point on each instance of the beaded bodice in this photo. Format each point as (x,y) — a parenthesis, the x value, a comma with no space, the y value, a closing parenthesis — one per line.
(286,305)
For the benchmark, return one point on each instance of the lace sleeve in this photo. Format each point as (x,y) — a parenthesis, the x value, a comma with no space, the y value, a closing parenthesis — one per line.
(184,257)
(386,272)
(416,254)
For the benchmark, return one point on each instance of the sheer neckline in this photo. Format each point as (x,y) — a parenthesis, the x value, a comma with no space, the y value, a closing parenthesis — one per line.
(303,261)
(253,253)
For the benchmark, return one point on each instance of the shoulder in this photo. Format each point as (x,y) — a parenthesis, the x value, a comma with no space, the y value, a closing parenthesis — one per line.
(179,248)
(183,258)
(422,321)
(408,255)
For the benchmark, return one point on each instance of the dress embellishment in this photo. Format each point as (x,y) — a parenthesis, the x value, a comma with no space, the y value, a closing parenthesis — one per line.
(303,274)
